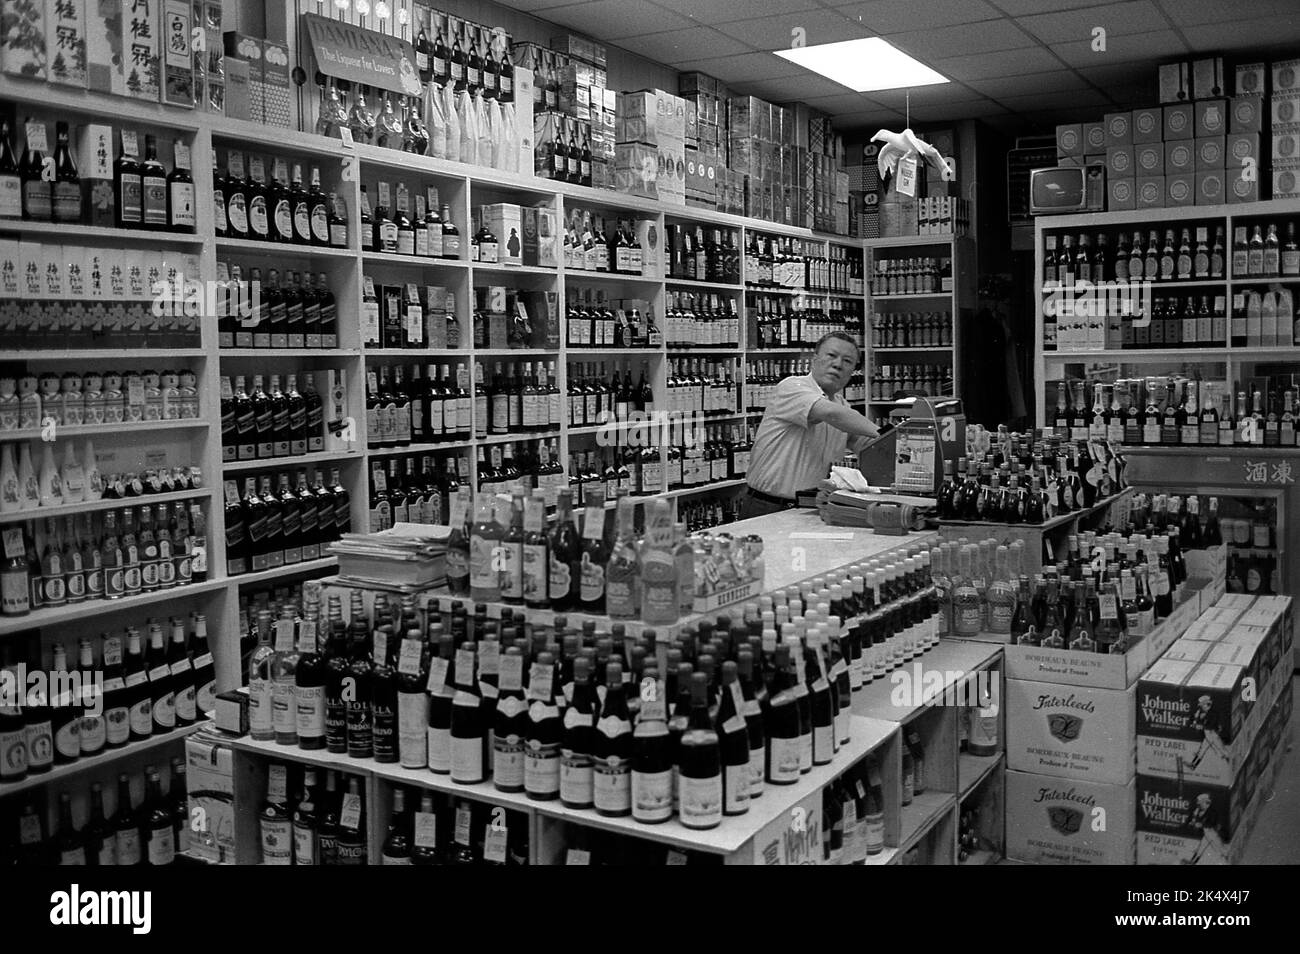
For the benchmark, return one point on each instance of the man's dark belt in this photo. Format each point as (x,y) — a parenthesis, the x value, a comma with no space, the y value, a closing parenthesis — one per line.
(769,498)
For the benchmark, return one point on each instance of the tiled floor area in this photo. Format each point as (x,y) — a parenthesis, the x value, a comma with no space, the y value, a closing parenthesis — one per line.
(1276,838)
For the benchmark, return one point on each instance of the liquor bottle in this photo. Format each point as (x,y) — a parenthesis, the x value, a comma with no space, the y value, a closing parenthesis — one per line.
(37,191)
(203,666)
(153,180)
(160,833)
(99,839)
(66,202)
(612,748)
(283,666)
(11,185)
(125,826)
(578,745)
(183,687)
(566,557)
(510,724)
(595,554)
(485,536)
(352,828)
(442,692)
(451,244)
(181,201)
(469,726)
(699,772)
(542,749)
(307,821)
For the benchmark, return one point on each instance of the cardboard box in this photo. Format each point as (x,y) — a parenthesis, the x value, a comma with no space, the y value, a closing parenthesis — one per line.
(210,778)
(1051,821)
(1149,158)
(1286,75)
(1150,192)
(1210,187)
(1120,162)
(276,109)
(1210,152)
(1240,190)
(1250,79)
(209,67)
(1208,78)
(24,41)
(1211,117)
(1180,190)
(1175,82)
(1180,156)
(1121,194)
(95,151)
(1119,129)
(1070,732)
(539,237)
(65,42)
(1246,114)
(1286,180)
(1069,139)
(1180,122)
(506,222)
(1148,125)
(140,50)
(178,55)
(1167,806)
(236,89)
(1284,108)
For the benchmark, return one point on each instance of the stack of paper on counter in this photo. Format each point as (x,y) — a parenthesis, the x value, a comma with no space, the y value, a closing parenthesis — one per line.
(410,555)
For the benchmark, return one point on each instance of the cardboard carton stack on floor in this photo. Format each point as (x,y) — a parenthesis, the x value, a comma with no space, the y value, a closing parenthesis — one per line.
(1071,719)
(1212,716)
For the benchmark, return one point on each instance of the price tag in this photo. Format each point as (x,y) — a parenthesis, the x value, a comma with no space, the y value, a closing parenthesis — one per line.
(182,156)
(862,791)
(494,844)
(733,725)
(350,815)
(284,632)
(540,681)
(379,647)
(408,662)
(437,674)
(130,143)
(345,134)
(13,543)
(577,856)
(426,830)
(593,524)
(232,493)
(489,657)
(907,176)
(277,787)
(459,508)
(511,676)
(135,392)
(464,667)
(737,697)
(676,857)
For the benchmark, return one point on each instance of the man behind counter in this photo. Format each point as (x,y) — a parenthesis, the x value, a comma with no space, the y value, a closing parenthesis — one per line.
(807,426)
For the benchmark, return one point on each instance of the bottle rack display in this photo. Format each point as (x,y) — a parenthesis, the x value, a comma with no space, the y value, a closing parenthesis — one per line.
(1183,310)
(438,260)
(918,289)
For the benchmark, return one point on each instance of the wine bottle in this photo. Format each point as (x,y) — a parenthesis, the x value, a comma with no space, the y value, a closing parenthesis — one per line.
(542,750)
(612,750)
(469,729)
(699,769)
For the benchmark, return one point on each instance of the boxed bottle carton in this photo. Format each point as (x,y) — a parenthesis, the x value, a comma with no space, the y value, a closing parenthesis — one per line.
(1069,821)
(1070,732)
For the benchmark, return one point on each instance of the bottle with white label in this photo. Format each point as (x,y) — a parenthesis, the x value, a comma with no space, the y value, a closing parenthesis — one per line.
(92,734)
(284,667)
(469,730)
(578,745)
(180,190)
(126,825)
(162,833)
(139,699)
(309,688)
(542,746)
(260,722)
(699,767)
(276,829)
(306,822)
(733,734)
(612,748)
(397,846)
(510,723)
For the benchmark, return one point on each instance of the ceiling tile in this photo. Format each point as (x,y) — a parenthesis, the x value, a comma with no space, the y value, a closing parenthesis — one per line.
(999,86)
(926,95)
(898,16)
(1139,16)
(955,111)
(774,32)
(1033,102)
(1117,73)
(679,46)
(744,68)
(1122,48)
(529,6)
(613,20)
(1222,11)
(724,11)
(842,103)
(802,87)
(1020,8)
(987,36)
(990,65)
(1261,33)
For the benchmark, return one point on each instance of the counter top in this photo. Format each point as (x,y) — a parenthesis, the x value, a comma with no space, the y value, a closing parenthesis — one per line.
(797,545)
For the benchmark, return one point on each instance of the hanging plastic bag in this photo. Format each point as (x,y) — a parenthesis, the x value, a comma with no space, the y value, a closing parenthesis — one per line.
(468,128)
(509,139)
(496,123)
(453,123)
(484,130)
(437,124)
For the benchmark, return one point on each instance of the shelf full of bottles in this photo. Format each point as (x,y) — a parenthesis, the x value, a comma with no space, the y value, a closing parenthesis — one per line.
(1181,318)
(917,292)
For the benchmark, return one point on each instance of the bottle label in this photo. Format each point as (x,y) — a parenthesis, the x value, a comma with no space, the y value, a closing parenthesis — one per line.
(277,842)
(142,717)
(467,759)
(757,768)
(823,743)
(542,768)
(284,218)
(439,742)
(613,784)
(508,762)
(512,573)
(785,756)
(561,579)
(736,783)
(257,219)
(577,776)
(128,846)
(39,742)
(93,734)
(304,845)
(593,580)
(164,711)
(308,705)
(162,846)
(699,801)
(483,573)
(182,205)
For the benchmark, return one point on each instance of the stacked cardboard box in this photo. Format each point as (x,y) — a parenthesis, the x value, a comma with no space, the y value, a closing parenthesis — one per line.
(707,182)
(650,150)
(1285,117)
(1209,718)
(1071,746)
